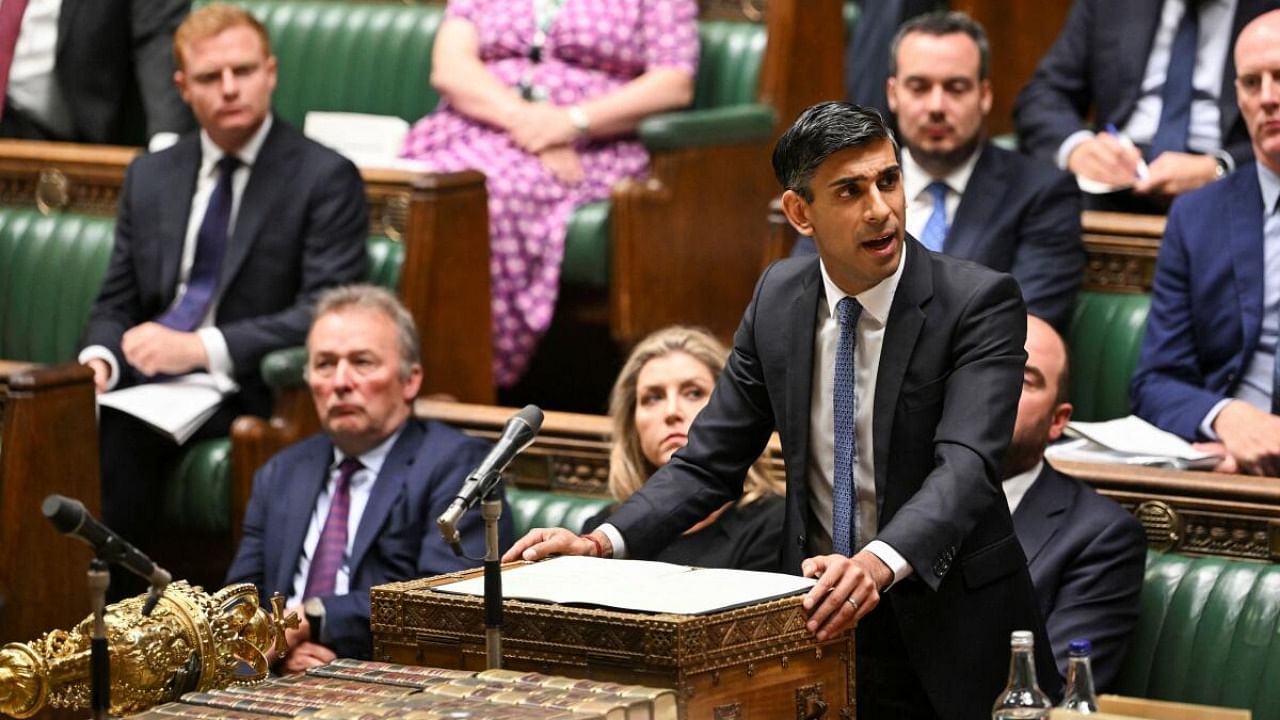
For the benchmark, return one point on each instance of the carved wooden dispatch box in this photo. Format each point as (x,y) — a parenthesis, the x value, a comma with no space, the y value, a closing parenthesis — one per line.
(751,663)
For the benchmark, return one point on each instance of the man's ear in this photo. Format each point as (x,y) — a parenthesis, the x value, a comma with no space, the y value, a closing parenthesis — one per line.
(985,97)
(891,85)
(414,383)
(1061,416)
(180,81)
(796,209)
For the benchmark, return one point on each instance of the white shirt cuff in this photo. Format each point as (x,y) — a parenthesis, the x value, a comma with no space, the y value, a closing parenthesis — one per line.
(615,539)
(898,564)
(1070,144)
(215,346)
(161,140)
(100,352)
(1206,425)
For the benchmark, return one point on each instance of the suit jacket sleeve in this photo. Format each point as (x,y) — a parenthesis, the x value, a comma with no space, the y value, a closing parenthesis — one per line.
(347,616)
(1098,598)
(333,253)
(980,397)
(1056,100)
(729,435)
(153,23)
(1168,388)
(1050,259)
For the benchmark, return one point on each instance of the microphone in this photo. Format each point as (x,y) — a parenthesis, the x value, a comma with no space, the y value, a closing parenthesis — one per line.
(70,518)
(517,435)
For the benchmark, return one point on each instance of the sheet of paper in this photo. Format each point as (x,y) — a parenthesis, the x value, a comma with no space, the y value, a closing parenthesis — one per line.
(1136,436)
(176,407)
(637,585)
(367,140)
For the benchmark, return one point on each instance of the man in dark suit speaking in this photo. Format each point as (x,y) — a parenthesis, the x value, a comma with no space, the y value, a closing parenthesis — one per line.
(356,505)
(892,375)
(222,243)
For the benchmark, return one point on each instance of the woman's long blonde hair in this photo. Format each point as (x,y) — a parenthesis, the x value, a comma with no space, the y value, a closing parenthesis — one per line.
(628,467)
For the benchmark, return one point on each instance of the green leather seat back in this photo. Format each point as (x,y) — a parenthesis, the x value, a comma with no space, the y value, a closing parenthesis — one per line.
(540,508)
(1208,633)
(50,270)
(586,247)
(353,57)
(729,61)
(386,256)
(1105,338)
(198,494)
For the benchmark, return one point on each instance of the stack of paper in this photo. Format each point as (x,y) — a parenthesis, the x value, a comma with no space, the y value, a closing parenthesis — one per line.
(1131,441)
(177,407)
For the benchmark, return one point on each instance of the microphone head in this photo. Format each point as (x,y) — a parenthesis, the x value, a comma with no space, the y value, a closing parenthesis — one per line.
(531,415)
(65,514)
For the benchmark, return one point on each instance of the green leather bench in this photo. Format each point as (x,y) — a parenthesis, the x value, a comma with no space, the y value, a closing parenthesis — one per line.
(1105,338)
(375,57)
(1208,633)
(50,270)
(542,508)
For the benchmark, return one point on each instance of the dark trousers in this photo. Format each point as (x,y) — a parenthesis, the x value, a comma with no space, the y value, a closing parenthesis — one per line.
(17,125)
(888,687)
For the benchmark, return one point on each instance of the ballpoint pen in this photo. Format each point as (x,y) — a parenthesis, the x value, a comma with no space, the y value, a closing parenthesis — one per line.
(1124,140)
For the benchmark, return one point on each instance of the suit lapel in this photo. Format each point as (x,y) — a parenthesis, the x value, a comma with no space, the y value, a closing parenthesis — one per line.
(1042,511)
(66,14)
(906,317)
(387,487)
(269,178)
(802,317)
(977,204)
(1133,34)
(308,480)
(1246,250)
(176,195)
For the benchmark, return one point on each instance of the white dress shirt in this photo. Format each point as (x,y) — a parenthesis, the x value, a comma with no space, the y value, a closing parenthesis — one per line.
(361,488)
(915,183)
(32,86)
(215,345)
(1016,487)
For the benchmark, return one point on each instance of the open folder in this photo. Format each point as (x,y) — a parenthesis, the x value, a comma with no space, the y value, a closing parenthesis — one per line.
(1130,441)
(175,408)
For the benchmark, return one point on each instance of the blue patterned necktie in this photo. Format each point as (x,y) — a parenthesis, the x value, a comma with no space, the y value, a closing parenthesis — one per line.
(331,548)
(935,231)
(844,520)
(211,246)
(1175,98)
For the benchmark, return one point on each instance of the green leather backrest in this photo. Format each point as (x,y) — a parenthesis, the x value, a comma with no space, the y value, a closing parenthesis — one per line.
(50,270)
(1208,633)
(1105,338)
(540,508)
(369,57)
(197,497)
(730,57)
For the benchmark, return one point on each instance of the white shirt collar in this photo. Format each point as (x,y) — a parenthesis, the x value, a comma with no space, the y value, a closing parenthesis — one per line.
(1016,487)
(1269,183)
(210,153)
(876,301)
(915,180)
(372,460)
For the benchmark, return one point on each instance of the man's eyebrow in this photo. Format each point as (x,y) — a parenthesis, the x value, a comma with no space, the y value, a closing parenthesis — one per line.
(863,177)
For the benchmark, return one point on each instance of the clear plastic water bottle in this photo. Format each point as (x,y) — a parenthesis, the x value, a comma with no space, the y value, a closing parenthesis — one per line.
(1022,698)
(1080,693)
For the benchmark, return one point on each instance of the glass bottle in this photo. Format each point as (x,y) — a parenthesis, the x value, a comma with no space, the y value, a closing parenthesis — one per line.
(1022,698)
(1080,693)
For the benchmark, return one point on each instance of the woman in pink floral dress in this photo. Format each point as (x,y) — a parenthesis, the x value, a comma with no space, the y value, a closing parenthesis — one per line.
(543,97)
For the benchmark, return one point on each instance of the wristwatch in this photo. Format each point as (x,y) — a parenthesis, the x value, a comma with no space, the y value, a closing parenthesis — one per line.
(578,118)
(1222,168)
(313,609)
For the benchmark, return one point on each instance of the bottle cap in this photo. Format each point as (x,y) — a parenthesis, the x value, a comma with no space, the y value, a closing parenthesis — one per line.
(1080,647)
(1023,638)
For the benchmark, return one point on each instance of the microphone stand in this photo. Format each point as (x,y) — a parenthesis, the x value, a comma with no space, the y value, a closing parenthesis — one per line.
(99,656)
(491,511)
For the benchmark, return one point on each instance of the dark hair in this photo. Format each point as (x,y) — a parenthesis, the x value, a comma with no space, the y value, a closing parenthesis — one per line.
(943,22)
(821,131)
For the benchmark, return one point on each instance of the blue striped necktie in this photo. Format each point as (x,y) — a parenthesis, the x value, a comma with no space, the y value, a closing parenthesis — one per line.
(844,516)
(211,247)
(935,231)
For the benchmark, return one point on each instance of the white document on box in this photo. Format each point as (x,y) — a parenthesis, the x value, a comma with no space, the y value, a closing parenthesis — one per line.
(1129,440)
(176,407)
(641,585)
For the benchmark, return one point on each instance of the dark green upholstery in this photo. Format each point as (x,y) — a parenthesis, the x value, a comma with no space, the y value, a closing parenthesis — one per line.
(198,496)
(50,270)
(540,508)
(1208,633)
(586,262)
(1105,338)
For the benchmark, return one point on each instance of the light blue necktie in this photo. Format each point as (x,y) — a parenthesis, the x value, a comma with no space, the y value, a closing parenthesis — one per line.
(844,524)
(935,231)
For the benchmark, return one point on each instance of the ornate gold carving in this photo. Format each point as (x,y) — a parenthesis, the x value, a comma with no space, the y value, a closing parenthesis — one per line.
(52,191)
(811,703)
(1228,535)
(390,216)
(192,641)
(1162,523)
(728,711)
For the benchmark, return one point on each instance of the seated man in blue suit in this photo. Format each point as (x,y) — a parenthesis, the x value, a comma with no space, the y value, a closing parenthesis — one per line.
(356,506)
(1085,553)
(1207,370)
(965,196)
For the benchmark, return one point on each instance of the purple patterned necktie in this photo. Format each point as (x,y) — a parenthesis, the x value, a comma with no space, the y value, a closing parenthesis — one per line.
(211,246)
(332,546)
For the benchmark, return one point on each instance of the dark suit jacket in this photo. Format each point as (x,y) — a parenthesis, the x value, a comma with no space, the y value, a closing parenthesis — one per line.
(396,539)
(1206,304)
(1097,64)
(301,228)
(114,58)
(1087,558)
(946,397)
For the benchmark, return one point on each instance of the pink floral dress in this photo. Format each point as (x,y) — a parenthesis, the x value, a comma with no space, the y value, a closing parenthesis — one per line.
(592,47)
